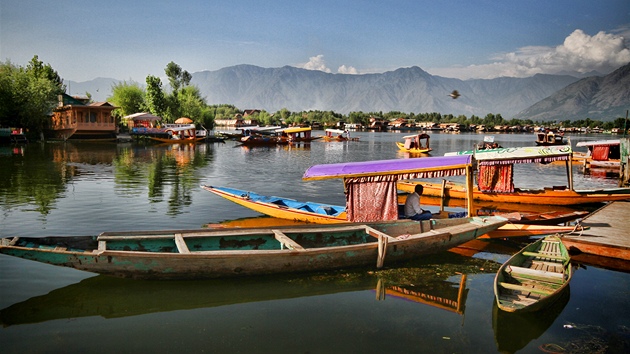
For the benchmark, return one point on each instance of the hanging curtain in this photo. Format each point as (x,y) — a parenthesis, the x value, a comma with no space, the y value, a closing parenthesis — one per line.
(496,178)
(373,199)
(600,152)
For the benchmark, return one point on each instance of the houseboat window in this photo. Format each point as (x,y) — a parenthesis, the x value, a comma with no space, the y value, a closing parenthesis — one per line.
(92,117)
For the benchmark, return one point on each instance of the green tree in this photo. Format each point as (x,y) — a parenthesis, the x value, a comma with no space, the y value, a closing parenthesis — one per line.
(177,77)
(155,98)
(128,97)
(28,95)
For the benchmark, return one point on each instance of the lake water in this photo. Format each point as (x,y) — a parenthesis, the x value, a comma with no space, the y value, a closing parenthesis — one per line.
(438,304)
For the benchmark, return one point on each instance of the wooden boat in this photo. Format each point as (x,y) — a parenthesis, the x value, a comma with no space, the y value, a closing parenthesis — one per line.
(262,140)
(320,213)
(338,135)
(180,254)
(534,277)
(550,138)
(177,134)
(544,218)
(297,134)
(602,154)
(283,208)
(414,144)
(492,162)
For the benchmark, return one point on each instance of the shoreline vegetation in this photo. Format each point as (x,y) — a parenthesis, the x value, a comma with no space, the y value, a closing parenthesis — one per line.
(29,95)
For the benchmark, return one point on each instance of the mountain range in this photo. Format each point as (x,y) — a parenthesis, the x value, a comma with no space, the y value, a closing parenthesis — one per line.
(541,97)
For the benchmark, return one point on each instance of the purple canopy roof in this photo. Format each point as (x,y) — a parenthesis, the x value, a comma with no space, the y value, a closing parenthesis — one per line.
(391,167)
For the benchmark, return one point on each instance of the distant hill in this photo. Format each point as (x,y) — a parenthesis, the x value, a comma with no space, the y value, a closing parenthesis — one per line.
(599,98)
(406,90)
(540,97)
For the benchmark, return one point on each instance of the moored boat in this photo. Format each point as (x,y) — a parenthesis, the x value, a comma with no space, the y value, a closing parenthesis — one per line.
(534,277)
(415,144)
(185,254)
(495,182)
(338,135)
(297,134)
(550,138)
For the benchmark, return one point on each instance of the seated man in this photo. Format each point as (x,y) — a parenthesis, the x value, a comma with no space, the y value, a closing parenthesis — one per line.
(413,210)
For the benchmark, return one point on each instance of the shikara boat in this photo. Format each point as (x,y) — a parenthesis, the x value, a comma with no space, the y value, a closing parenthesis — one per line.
(182,254)
(263,140)
(534,277)
(297,134)
(499,162)
(176,134)
(415,144)
(550,138)
(602,154)
(338,135)
(543,218)
(283,208)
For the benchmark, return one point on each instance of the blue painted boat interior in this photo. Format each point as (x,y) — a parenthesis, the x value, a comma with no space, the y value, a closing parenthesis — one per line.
(318,208)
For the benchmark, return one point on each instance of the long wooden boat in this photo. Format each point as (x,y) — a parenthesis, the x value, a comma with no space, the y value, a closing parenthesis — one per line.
(507,193)
(180,254)
(414,144)
(297,134)
(542,218)
(338,135)
(177,134)
(283,208)
(320,213)
(262,140)
(534,277)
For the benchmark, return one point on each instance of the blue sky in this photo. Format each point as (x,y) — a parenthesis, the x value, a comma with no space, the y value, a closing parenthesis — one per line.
(129,40)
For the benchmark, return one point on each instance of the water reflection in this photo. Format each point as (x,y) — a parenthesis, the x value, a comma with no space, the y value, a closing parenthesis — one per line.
(438,281)
(39,174)
(513,331)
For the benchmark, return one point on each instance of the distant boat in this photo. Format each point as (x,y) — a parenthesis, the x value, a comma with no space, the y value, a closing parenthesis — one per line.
(550,138)
(178,134)
(534,277)
(415,144)
(297,134)
(338,135)
(188,254)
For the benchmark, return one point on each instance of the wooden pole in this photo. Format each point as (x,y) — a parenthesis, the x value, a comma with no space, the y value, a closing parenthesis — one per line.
(442,195)
(469,190)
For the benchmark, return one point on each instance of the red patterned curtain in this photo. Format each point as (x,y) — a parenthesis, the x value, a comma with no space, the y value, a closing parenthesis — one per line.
(375,200)
(600,153)
(496,178)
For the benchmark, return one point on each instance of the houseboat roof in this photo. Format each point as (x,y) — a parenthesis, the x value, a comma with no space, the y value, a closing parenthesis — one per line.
(598,142)
(528,154)
(426,167)
(294,130)
(142,116)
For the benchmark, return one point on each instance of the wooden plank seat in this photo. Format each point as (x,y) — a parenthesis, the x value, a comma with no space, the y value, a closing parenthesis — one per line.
(525,289)
(286,241)
(535,274)
(543,255)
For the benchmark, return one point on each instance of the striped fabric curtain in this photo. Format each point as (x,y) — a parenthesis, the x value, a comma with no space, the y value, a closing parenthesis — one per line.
(376,200)
(496,178)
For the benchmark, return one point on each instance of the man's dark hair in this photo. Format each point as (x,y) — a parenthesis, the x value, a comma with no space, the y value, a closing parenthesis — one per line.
(419,189)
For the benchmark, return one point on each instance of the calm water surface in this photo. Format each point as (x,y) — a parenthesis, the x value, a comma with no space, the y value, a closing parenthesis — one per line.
(439,304)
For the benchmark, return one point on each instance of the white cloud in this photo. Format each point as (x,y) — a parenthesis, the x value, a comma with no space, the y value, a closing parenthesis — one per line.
(347,70)
(580,53)
(316,63)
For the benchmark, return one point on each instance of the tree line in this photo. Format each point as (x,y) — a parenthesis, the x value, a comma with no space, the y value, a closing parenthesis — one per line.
(29,94)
